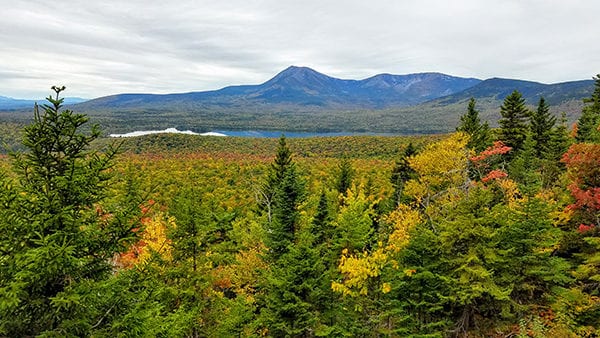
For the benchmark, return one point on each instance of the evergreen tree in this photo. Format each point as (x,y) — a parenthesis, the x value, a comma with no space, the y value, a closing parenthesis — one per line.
(344,176)
(57,244)
(550,165)
(401,173)
(541,126)
(513,124)
(321,224)
(277,171)
(286,200)
(470,124)
(589,122)
(524,167)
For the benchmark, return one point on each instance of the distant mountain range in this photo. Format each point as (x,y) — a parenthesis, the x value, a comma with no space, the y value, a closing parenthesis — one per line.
(300,98)
(303,88)
(8,103)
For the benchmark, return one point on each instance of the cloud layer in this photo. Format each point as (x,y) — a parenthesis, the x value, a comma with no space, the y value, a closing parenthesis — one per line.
(99,48)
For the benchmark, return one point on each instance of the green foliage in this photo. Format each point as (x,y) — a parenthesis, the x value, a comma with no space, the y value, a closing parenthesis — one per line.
(541,125)
(513,124)
(452,254)
(344,176)
(470,124)
(402,173)
(587,126)
(57,245)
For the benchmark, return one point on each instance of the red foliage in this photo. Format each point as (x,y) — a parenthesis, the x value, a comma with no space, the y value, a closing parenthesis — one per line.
(585,228)
(583,165)
(584,198)
(494,175)
(498,148)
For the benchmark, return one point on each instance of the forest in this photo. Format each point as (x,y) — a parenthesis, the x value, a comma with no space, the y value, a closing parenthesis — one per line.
(485,232)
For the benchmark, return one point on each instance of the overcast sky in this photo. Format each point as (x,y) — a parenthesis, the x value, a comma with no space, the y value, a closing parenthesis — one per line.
(99,48)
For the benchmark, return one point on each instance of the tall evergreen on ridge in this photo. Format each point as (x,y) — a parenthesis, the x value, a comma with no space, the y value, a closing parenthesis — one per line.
(589,122)
(287,191)
(296,298)
(470,123)
(541,126)
(513,124)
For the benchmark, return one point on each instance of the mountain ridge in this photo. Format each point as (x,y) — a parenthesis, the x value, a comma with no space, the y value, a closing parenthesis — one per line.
(302,99)
(307,87)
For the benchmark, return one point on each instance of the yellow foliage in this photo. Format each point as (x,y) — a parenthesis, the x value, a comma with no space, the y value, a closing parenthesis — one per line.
(440,166)
(245,273)
(386,287)
(153,240)
(155,237)
(510,190)
(409,272)
(403,219)
(357,270)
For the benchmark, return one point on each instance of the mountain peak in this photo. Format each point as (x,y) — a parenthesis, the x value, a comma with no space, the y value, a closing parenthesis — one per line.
(298,73)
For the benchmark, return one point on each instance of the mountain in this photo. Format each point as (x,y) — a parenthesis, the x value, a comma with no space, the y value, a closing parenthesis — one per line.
(498,89)
(302,99)
(8,103)
(300,88)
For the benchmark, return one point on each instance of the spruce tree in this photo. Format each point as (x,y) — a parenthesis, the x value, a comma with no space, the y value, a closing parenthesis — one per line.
(401,173)
(344,176)
(470,124)
(57,239)
(589,122)
(286,189)
(513,124)
(541,126)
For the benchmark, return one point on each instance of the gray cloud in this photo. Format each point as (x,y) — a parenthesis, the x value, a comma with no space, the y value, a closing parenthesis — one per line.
(105,47)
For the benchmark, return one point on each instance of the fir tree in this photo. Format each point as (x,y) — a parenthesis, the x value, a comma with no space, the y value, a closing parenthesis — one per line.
(344,176)
(287,192)
(589,122)
(513,124)
(265,194)
(65,244)
(401,173)
(470,124)
(541,126)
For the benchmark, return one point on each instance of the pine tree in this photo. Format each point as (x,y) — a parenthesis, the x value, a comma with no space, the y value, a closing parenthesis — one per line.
(470,124)
(65,243)
(589,122)
(541,126)
(513,124)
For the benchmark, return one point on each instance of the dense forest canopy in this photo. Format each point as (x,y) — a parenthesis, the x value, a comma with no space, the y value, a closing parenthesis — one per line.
(480,233)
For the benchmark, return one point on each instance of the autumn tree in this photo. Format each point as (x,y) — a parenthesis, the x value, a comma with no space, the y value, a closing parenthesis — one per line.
(59,230)
(471,124)
(513,123)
